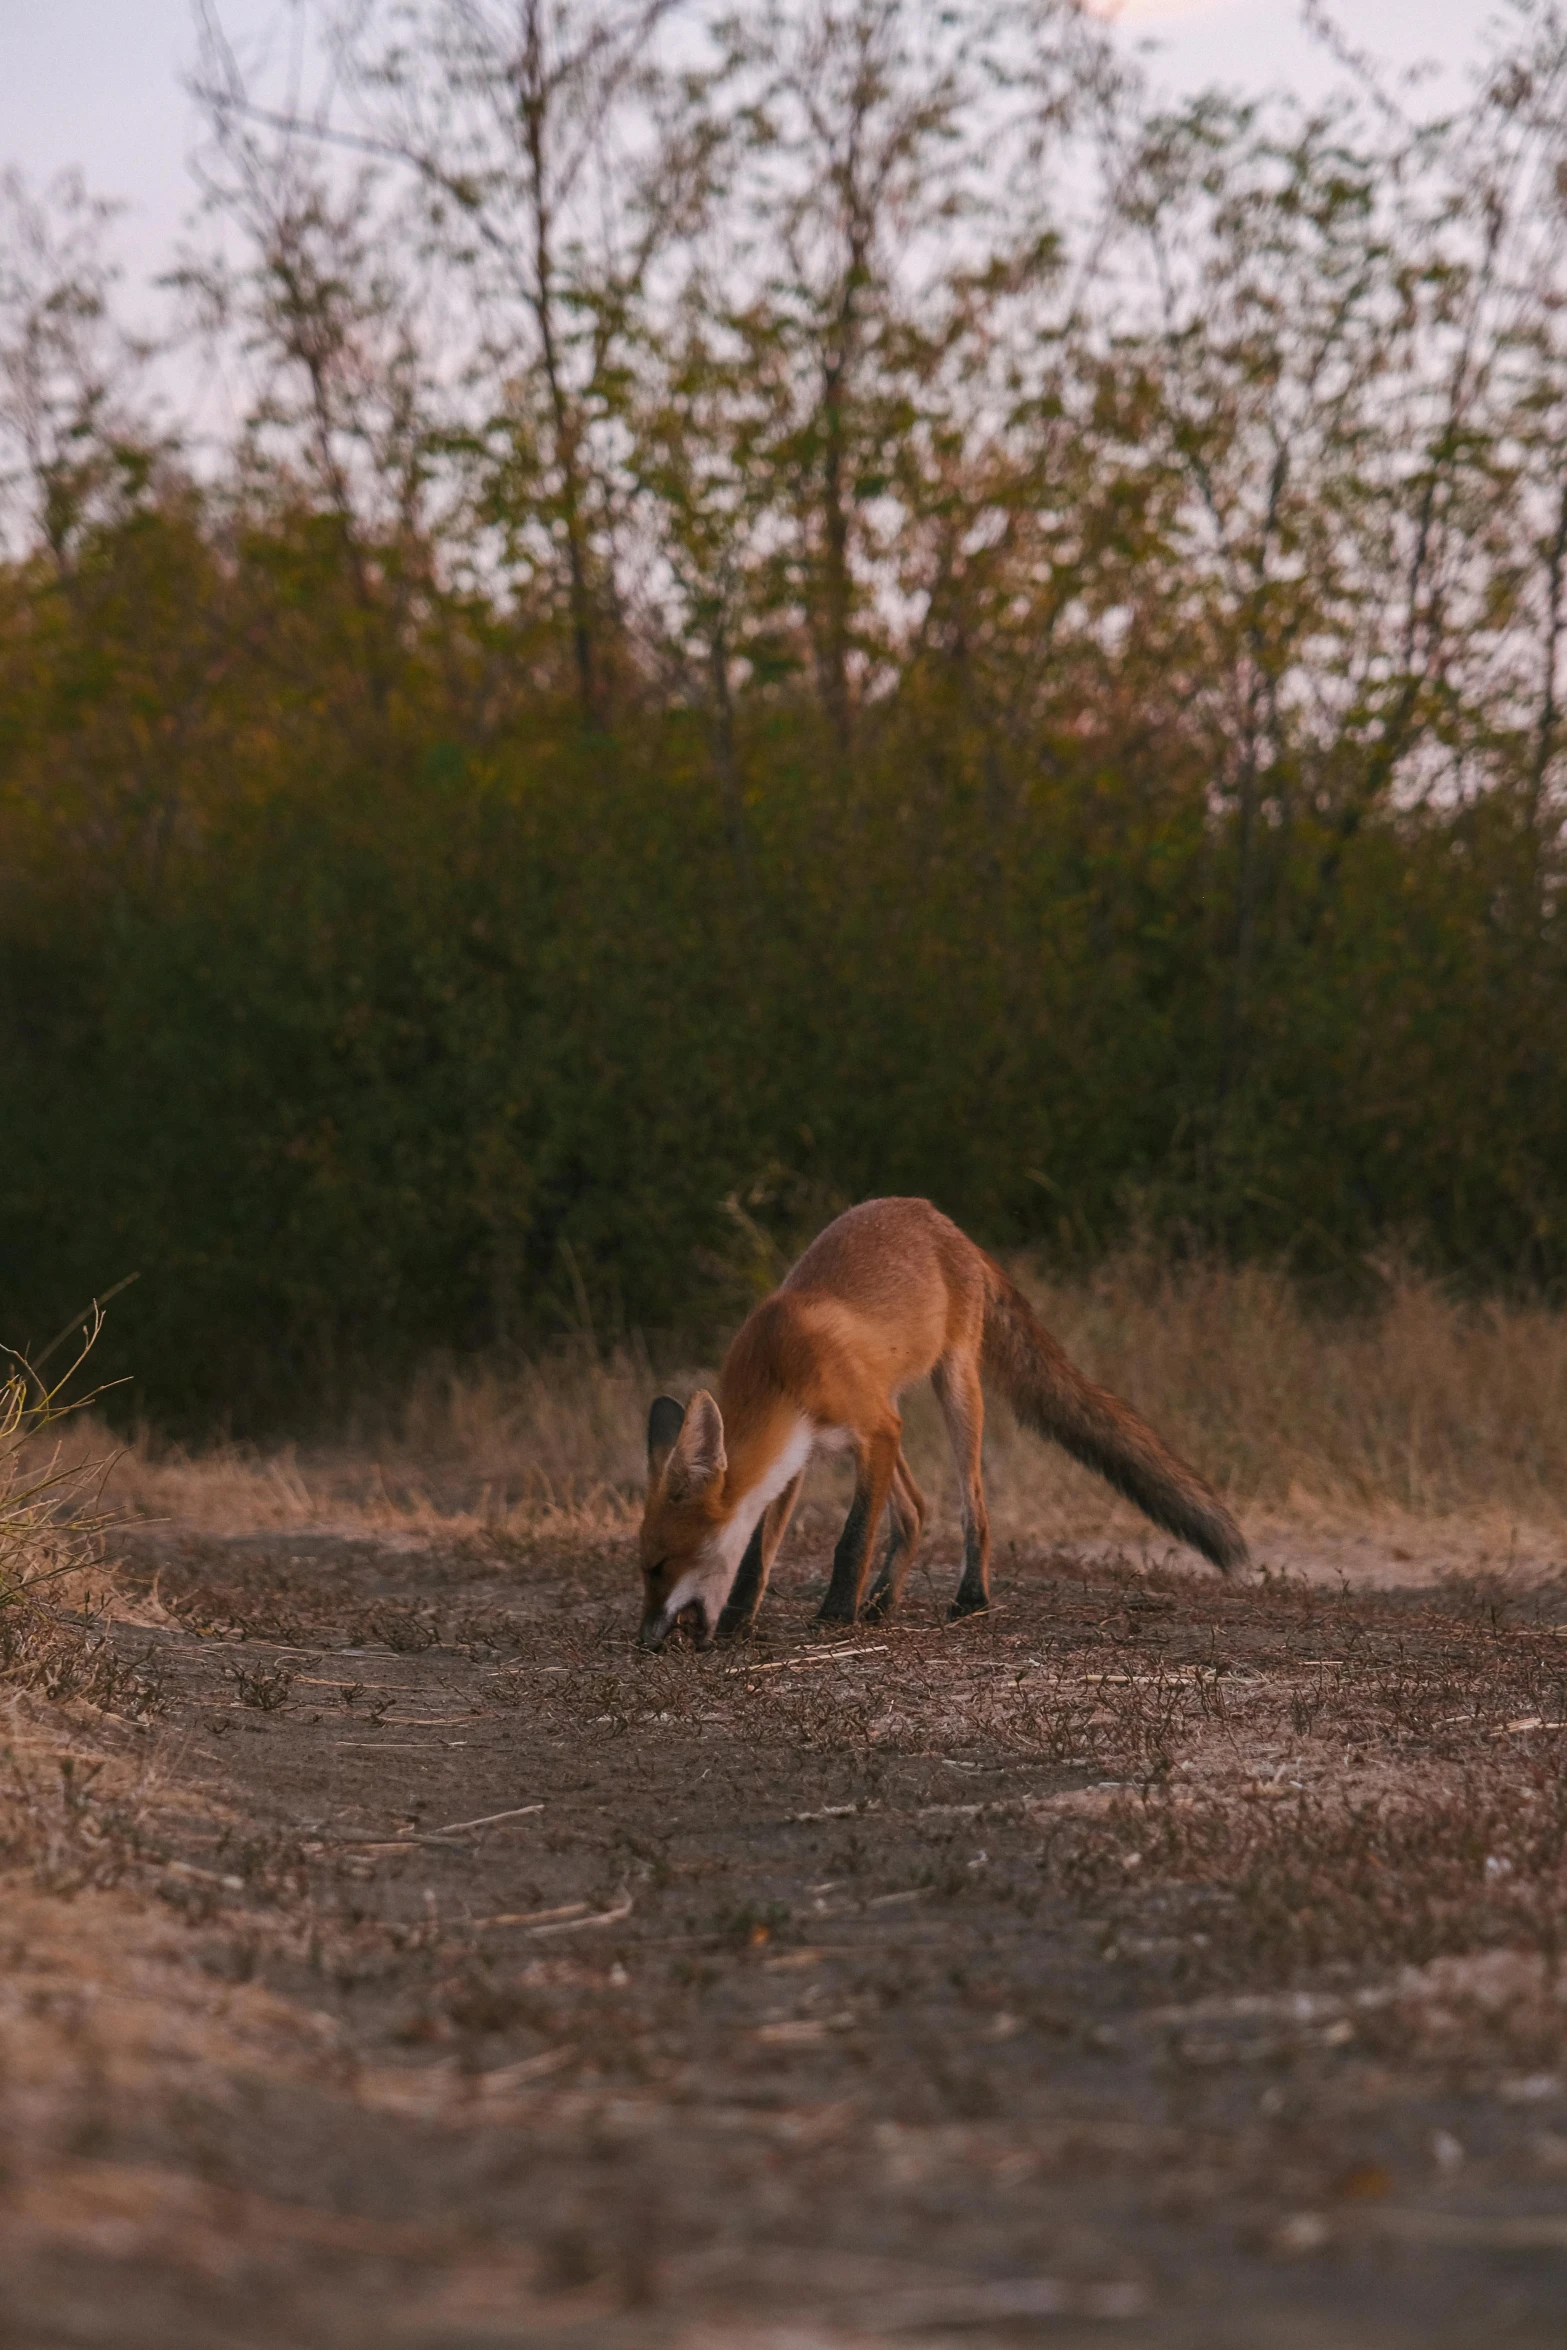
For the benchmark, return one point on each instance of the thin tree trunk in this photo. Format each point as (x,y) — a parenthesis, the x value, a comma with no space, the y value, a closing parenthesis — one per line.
(726,752)
(542,297)
(833,630)
(1550,708)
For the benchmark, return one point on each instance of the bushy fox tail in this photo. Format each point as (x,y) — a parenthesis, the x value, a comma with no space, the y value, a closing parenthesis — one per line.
(1050,1395)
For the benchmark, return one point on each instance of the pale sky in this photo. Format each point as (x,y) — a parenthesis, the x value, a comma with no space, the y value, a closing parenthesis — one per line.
(95,83)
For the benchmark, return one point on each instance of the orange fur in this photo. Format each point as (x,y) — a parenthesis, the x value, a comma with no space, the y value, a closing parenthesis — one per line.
(890,1293)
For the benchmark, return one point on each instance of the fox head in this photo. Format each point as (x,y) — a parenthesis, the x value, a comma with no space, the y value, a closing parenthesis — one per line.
(684,1569)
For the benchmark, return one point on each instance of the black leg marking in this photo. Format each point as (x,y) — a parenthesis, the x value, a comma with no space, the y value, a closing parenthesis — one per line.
(842,1591)
(745,1592)
(973,1598)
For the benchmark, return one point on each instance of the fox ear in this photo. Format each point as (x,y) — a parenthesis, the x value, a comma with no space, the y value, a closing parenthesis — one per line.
(698,1459)
(663,1428)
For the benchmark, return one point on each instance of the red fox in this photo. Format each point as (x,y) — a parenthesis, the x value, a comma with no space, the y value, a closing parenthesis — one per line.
(890,1293)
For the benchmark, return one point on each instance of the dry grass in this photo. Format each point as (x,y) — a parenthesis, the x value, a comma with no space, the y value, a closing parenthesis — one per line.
(54,1592)
(1425,1404)
(557,1444)
(1426,1407)
(69,1814)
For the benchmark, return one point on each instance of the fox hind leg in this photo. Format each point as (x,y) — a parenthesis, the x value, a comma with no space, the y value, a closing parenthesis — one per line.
(907,1507)
(962,1400)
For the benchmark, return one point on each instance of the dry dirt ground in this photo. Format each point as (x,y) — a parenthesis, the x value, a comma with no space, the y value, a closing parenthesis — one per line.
(397,1956)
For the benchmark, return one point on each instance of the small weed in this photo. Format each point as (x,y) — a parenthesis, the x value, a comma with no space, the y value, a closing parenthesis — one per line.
(265,1687)
(405,1627)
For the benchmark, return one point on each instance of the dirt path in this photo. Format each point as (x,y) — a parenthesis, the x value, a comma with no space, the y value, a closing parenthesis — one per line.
(1153,1962)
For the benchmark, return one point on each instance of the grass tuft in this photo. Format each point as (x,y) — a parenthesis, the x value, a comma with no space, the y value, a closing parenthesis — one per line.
(52,1636)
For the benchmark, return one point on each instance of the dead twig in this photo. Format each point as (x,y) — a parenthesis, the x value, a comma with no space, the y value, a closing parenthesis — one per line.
(410,1836)
(821,1656)
(603,1917)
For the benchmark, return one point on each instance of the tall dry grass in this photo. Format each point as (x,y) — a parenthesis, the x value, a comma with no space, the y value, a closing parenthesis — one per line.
(1425,1403)
(53,1467)
(1426,1406)
(558,1440)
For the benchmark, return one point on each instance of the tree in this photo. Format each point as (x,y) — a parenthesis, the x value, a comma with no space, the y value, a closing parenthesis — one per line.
(511,122)
(864,193)
(76,442)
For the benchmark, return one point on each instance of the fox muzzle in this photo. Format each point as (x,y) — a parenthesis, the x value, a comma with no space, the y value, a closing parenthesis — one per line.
(658,1623)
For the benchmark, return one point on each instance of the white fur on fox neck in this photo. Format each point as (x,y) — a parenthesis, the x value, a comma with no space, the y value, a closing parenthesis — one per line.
(711,1576)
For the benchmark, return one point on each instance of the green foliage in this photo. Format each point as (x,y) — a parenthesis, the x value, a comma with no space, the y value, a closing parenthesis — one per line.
(406,1054)
(789,707)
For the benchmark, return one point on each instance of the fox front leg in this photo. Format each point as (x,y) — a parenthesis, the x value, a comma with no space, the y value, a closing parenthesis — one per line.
(740,1609)
(745,1593)
(851,1560)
